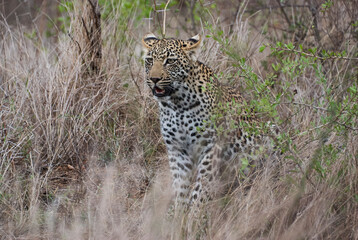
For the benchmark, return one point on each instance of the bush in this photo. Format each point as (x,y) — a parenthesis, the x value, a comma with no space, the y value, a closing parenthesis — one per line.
(81,152)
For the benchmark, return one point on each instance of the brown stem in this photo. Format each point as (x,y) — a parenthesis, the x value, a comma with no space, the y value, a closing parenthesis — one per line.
(284,13)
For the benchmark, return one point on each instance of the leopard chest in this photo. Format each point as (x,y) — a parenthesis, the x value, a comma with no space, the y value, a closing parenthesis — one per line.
(183,126)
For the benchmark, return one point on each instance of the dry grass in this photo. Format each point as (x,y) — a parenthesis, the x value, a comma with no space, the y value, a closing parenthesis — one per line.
(82,158)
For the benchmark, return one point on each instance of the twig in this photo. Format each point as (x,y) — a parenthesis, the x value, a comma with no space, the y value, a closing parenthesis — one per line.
(318,57)
(75,41)
(133,79)
(280,6)
(284,13)
(306,105)
(313,9)
(165,16)
(305,173)
(235,17)
(192,6)
(156,15)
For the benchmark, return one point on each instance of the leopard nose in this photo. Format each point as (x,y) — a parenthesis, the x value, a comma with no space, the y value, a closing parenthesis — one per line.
(155,79)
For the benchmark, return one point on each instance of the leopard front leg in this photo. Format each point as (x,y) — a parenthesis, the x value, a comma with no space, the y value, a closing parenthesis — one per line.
(181,169)
(206,174)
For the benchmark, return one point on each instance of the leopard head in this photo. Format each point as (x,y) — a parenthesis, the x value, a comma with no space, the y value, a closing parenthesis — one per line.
(168,61)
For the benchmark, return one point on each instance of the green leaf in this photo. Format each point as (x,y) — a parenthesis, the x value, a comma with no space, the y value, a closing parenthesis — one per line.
(262,48)
(312,50)
(352,89)
(290,46)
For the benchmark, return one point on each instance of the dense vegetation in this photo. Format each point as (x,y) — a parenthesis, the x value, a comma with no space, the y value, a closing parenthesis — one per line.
(81,155)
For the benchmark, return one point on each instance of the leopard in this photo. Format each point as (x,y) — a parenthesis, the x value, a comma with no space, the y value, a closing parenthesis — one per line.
(189,94)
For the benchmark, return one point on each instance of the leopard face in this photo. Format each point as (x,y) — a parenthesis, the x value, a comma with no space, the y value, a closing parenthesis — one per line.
(167,63)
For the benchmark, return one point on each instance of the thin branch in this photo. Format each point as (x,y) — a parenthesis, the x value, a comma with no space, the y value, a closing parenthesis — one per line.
(156,16)
(313,9)
(192,7)
(346,126)
(284,13)
(305,173)
(76,42)
(280,6)
(318,57)
(133,79)
(165,16)
(306,105)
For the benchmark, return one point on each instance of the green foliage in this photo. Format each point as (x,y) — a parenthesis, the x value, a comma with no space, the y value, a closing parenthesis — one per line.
(338,109)
(64,8)
(262,104)
(324,159)
(122,10)
(326,5)
(125,14)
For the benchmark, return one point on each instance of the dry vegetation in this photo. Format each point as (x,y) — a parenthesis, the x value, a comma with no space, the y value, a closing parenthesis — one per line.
(81,155)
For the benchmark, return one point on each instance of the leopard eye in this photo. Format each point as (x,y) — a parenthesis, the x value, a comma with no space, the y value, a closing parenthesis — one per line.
(170,60)
(149,61)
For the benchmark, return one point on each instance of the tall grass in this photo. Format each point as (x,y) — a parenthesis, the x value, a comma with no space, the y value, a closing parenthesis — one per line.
(82,157)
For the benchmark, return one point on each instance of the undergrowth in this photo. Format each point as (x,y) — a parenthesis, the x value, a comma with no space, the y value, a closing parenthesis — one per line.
(82,157)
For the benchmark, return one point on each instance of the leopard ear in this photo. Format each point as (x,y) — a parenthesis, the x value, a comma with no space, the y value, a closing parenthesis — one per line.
(192,46)
(149,40)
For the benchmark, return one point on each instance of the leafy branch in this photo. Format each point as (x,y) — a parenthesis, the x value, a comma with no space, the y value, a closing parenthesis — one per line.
(322,55)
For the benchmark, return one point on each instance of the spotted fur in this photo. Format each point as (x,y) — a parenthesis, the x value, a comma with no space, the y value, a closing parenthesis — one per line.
(188,95)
